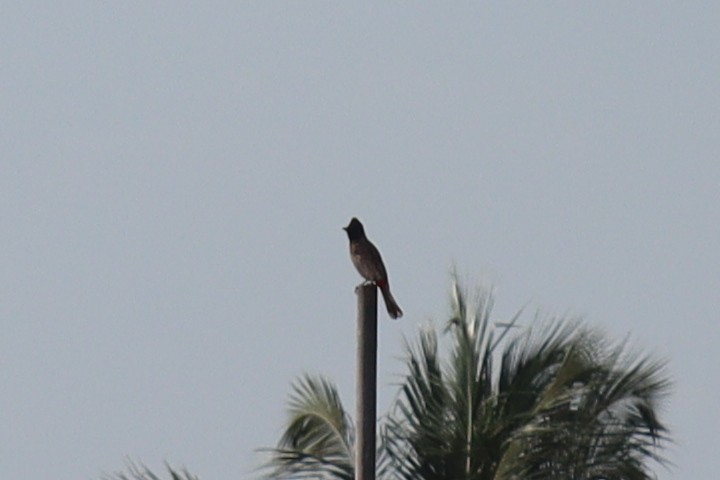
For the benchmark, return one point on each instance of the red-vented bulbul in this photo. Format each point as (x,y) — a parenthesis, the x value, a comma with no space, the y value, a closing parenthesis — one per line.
(368,262)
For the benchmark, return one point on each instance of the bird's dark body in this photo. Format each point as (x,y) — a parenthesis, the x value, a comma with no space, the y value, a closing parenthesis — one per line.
(366,258)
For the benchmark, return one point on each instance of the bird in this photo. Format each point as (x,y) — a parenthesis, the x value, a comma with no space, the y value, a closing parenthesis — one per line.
(368,262)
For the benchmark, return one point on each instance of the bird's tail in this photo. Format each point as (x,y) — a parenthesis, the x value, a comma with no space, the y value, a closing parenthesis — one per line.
(393,308)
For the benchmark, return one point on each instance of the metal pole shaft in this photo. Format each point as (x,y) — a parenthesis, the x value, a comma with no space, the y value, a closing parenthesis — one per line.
(366,394)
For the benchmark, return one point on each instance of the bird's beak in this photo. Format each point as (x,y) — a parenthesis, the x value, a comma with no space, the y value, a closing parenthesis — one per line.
(345,228)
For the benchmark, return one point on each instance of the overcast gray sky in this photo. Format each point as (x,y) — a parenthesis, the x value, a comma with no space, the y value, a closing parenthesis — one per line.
(174,177)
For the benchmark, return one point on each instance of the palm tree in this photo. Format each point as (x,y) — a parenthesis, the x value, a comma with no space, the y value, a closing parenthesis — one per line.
(551,401)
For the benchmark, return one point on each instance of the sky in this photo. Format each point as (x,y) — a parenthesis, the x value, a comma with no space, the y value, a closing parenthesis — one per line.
(174,177)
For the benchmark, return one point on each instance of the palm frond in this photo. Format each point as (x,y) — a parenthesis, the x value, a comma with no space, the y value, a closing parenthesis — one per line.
(317,442)
(595,418)
(421,410)
(438,423)
(562,402)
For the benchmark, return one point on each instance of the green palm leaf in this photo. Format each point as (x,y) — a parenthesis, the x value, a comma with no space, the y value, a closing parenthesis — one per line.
(317,442)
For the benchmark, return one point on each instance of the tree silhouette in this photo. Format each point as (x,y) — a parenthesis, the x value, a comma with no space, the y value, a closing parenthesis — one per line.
(555,400)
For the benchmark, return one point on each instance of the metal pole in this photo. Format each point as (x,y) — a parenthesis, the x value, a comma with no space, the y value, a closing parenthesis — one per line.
(366,393)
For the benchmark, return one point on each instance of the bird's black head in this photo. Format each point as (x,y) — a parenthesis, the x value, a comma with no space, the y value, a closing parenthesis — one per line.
(355,230)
